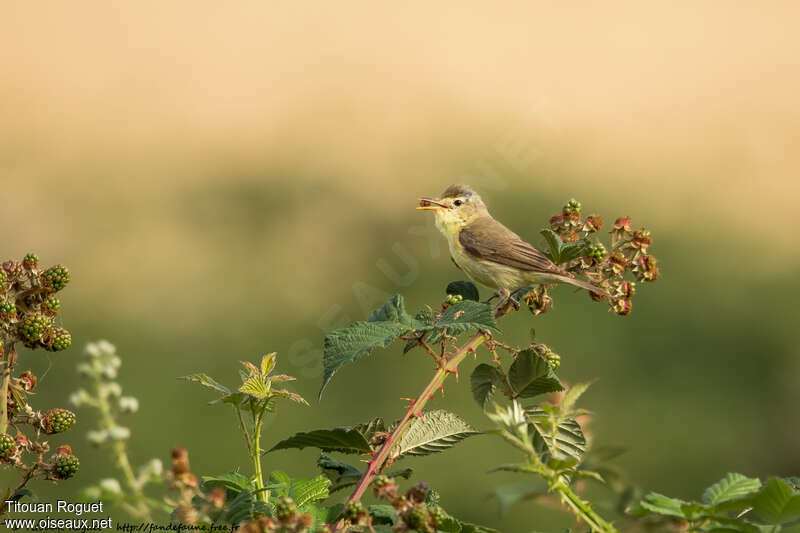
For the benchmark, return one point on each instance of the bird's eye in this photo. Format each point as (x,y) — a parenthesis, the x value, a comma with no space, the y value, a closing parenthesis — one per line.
(458,203)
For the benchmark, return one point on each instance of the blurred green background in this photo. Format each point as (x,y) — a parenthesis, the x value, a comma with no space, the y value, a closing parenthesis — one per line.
(225,181)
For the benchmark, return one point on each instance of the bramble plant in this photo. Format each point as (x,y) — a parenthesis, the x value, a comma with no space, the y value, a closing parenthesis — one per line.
(524,400)
(29,317)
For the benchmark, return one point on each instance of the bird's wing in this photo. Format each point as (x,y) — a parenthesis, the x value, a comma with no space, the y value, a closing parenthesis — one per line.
(488,239)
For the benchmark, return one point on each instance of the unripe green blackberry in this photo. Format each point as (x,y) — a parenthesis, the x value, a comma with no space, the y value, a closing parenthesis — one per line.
(354,512)
(3,278)
(60,339)
(285,508)
(573,206)
(7,309)
(66,465)
(453,299)
(598,252)
(58,420)
(51,305)
(7,446)
(30,261)
(553,359)
(438,514)
(56,277)
(381,481)
(33,326)
(417,518)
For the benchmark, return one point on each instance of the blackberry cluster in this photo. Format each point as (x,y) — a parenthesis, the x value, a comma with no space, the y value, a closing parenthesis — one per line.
(66,465)
(58,420)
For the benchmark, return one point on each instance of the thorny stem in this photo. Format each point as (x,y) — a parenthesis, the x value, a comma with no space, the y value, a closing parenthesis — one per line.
(582,509)
(415,410)
(7,358)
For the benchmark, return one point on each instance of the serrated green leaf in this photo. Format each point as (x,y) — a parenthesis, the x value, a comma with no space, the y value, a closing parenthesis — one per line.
(281,481)
(664,505)
(268,363)
(484,381)
(382,327)
(574,250)
(566,441)
(394,310)
(322,515)
(206,381)
(554,244)
(344,475)
(231,480)
(256,386)
(344,440)
(382,514)
(447,524)
(465,316)
(309,490)
(436,431)
(777,502)
(466,289)
(239,509)
(530,375)
(235,398)
(283,393)
(732,486)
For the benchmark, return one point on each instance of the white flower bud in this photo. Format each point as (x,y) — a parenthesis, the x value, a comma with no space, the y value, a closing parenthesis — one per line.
(119,433)
(97,436)
(128,404)
(79,397)
(110,485)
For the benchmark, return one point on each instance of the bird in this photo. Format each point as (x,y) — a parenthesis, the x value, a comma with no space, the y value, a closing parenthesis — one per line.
(490,253)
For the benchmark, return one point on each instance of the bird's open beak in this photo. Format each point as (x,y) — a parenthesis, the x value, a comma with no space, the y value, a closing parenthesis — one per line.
(431,204)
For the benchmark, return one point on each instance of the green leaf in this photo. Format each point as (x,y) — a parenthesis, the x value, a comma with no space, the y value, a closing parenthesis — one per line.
(283,393)
(777,503)
(322,515)
(554,244)
(382,514)
(484,381)
(466,289)
(467,315)
(206,381)
(281,481)
(256,386)
(732,486)
(574,250)
(230,480)
(447,524)
(530,375)
(394,310)
(268,363)
(566,441)
(664,505)
(309,490)
(382,327)
(508,495)
(344,475)
(436,431)
(344,440)
(239,509)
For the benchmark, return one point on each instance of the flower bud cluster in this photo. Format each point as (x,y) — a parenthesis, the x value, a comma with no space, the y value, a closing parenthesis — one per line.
(606,266)
(415,509)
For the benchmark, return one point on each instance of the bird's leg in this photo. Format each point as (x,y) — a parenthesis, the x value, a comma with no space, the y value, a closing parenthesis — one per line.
(505,300)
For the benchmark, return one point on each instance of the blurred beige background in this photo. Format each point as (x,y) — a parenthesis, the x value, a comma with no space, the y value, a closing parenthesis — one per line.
(224,179)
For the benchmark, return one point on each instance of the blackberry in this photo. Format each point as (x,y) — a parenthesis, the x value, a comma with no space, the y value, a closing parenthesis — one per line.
(7,309)
(354,512)
(56,277)
(7,446)
(66,465)
(51,305)
(34,326)
(30,261)
(285,508)
(417,518)
(553,359)
(58,420)
(60,339)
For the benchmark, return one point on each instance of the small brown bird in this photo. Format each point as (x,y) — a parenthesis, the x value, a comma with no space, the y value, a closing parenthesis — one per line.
(487,251)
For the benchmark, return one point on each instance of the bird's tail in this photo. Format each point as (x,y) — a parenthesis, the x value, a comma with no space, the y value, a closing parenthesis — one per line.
(584,285)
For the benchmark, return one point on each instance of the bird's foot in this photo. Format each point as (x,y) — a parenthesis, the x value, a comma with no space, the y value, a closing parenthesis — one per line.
(506,300)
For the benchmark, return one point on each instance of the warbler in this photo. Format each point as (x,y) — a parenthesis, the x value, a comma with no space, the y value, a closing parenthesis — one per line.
(487,251)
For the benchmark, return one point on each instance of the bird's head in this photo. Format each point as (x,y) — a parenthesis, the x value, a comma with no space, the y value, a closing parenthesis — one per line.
(455,208)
